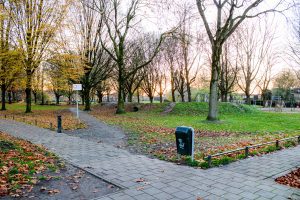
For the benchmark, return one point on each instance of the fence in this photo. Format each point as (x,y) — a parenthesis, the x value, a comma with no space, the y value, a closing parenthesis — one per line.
(247,148)
(42,123)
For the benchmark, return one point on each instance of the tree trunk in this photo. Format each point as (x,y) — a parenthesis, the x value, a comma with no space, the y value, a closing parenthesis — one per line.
(82,99)
(69,99)
(14,97)
(10,97)
(28,93)
(57,99)
(121,90)
(3,92)
(226,97)
(248,99)
(35,97)
(43,99)
(189,93)
(138,96)
(173,95)
(100,97)
(130,97)
(107,97)
(182,97)
(161,97)
(151,99)
(87,99)
(173,85)
(213,97)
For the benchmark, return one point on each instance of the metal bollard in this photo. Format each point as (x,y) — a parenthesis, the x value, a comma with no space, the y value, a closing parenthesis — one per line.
(209,161)
(246,152)
(298,139)
(277,144)
(59,126)
(50,125)
(35,122)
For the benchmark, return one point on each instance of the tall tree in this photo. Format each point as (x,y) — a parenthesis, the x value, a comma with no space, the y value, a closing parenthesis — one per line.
(228,72)
(97,63)
(185,40)
(252,54)
(9,54)
(170,50)
(229,15)
(120,19)
(36,23)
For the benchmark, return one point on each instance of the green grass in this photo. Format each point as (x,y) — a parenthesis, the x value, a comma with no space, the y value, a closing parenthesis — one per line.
(239,126)
(246,119)
(22,107)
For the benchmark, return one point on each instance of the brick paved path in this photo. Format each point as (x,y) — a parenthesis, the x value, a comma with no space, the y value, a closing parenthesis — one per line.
(97,130)
(247,179)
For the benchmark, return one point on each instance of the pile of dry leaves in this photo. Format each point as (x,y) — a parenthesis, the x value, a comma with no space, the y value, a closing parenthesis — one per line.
(292,179)
(20,163)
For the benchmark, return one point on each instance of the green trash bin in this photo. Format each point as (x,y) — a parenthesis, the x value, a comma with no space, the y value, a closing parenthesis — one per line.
(185,140)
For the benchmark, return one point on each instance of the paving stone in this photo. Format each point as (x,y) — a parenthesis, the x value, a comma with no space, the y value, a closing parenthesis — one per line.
(182,195)
(231,196)
(246,179)
(249,195)
(266,194)
(163,196)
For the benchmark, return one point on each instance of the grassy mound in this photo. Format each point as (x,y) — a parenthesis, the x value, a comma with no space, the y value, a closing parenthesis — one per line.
(201,108)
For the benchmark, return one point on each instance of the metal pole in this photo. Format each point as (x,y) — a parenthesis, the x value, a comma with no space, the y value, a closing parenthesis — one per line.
(77,104)
(59,124)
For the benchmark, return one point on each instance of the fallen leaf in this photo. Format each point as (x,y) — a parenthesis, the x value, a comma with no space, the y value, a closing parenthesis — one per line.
(139,180)
(140,188)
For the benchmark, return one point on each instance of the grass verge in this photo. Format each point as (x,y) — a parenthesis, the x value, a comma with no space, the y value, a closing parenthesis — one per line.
(151,132)
(21,162)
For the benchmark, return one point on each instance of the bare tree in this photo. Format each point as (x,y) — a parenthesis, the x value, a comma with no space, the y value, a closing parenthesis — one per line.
(120,20)
(133,82)
(294,50)
(185,39)
(229,71)
(180,82)
(149,83)
(171,53)
(97,63)
(230,14)
(252,53)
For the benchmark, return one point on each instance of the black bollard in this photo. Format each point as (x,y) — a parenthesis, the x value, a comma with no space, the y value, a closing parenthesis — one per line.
(59,127)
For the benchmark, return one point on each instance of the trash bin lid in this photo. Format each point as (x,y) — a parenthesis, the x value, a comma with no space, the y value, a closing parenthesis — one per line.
(184,129)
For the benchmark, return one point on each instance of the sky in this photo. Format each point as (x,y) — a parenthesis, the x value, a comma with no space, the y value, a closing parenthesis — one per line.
(162,18)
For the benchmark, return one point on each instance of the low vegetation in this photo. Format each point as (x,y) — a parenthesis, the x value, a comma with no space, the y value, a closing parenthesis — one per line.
(20,165)
(43,116)
(151,130)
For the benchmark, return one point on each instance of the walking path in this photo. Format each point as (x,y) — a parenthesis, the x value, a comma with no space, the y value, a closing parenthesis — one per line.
(97,130)
(143,178)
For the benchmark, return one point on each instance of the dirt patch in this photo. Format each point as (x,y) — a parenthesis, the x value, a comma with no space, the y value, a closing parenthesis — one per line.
(292,179)
(69,183)
(169,108)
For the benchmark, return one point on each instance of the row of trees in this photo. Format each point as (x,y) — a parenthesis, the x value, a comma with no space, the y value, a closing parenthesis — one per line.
(99,43)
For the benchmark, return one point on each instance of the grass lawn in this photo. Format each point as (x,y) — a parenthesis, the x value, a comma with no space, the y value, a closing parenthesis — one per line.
(153,132)
(44,116)
(22,106)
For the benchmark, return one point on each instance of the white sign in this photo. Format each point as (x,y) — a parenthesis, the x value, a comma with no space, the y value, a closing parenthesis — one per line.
(77,87)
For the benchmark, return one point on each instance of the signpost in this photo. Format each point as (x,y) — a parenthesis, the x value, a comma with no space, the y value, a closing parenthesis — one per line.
(77,87)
